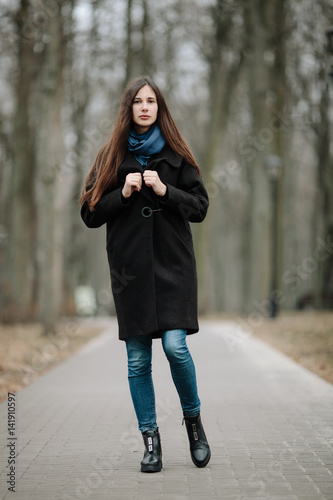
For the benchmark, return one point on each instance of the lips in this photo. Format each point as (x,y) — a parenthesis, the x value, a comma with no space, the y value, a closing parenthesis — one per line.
(144,116)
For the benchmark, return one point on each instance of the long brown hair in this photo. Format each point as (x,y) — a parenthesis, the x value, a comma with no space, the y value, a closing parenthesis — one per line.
(103,173)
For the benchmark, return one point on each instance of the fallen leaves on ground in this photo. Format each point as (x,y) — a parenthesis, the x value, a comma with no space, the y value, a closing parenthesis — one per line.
(306,337)
(26,353)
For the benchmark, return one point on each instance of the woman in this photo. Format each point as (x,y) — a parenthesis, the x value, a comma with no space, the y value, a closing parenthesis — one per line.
(146,186)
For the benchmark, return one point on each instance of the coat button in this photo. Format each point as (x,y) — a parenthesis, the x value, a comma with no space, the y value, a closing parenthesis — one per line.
(146,211)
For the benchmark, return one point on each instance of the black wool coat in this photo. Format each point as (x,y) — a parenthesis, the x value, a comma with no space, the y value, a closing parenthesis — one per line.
(149,246)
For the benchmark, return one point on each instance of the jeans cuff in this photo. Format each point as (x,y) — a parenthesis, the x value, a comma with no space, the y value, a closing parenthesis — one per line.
(150,428)
(192,414)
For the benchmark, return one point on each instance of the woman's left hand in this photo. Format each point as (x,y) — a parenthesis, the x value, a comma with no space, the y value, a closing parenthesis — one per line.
(152,179)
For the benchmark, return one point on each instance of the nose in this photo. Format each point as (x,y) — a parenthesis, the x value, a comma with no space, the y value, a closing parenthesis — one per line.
(144,106)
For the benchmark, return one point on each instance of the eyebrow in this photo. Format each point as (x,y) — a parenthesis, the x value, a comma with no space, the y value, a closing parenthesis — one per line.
(147,98)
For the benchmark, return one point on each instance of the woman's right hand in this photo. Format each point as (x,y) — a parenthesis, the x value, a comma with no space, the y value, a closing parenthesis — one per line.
(133,182)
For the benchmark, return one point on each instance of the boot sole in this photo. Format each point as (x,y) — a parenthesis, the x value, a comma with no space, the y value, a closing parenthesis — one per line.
(151,468)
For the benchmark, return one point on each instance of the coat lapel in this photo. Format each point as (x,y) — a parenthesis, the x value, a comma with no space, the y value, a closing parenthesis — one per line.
(167,154)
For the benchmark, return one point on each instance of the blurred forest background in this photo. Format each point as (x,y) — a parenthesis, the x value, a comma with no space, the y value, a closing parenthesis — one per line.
(247,83)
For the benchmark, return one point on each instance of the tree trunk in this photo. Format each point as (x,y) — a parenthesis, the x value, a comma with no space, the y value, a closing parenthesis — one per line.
(222,82)
(88,139)
(19,285)
(264,22)
(147,48)
(129,53)
(49,150)
(323,226)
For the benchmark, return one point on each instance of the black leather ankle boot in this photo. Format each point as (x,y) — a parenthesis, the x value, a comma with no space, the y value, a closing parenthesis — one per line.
(199,447)
(152,458)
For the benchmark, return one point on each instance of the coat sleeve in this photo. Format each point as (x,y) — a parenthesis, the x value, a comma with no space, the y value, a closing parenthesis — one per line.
(106,208)
(190,197)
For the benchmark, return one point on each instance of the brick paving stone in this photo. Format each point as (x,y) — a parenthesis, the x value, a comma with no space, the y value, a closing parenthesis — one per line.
(268,420)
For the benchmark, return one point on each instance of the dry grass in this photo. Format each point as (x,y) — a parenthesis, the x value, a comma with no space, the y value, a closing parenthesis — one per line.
(306,337)
(26,353)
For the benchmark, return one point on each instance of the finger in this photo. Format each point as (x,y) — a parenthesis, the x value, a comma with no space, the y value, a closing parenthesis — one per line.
(149,173)
(134,176)
(134,179)
(134,186)
(150,178)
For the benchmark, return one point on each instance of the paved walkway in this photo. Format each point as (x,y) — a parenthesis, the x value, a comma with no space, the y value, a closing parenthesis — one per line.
(269,422)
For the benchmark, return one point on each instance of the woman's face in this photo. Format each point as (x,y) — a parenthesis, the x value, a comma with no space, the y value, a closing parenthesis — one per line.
(144,109)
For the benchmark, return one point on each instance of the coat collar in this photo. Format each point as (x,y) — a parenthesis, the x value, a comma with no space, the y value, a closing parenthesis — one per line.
(169,155)
(166,154)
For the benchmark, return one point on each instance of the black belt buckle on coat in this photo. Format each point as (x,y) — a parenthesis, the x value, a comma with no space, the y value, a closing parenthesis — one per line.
(148,212)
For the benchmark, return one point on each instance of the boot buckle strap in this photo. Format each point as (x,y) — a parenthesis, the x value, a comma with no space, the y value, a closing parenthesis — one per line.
(195,434)
(150,444)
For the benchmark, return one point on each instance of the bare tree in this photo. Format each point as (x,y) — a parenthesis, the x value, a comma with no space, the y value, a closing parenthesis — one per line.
(264,21)
(49,151)
(20,256)
(233,89)
(222,78)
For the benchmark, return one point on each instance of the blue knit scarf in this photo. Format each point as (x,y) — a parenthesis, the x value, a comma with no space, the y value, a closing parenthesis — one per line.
(146,144)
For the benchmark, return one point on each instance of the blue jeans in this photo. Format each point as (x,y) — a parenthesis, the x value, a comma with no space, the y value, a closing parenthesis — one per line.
(139,355)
